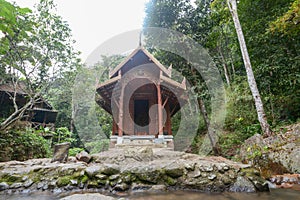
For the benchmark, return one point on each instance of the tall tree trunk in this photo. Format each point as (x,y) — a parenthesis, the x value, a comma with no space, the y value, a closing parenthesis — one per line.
(250,76)
(224,66)
(203,110)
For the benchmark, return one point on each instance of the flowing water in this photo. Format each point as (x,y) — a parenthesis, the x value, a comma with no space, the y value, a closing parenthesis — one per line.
(275,194)
(279,194)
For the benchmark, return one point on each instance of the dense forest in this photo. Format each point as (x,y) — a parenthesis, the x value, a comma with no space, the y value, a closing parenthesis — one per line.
(271,30)
(37,55)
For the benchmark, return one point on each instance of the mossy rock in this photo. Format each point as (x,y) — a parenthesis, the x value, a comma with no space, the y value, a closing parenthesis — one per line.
(254,176)
(149,177)
(174,172)
(169,181)
(102,182)
(128,178)
(11,178)
(69,171)
(110,169)
(84,179)
(250,172)
(92,184)
(63,181)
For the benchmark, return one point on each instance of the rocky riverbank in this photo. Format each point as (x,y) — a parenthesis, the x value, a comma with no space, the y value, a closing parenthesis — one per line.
(129,170)
(277,157)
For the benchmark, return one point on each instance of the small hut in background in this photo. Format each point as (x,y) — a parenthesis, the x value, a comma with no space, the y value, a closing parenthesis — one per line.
(41,114)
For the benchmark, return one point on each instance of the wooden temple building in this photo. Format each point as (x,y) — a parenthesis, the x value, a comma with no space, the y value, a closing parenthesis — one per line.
(142,98)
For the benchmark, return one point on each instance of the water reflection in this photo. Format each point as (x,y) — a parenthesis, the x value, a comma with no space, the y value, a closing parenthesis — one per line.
(275,194)
(278,194)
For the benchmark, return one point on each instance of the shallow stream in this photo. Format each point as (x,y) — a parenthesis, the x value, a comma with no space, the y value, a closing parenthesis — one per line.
(275,194)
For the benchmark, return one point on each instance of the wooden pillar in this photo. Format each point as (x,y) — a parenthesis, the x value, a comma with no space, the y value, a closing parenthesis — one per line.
(120,124)
(168,122)
(114,128)
(159,111)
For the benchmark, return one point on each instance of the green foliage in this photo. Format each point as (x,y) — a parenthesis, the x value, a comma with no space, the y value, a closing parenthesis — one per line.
(10,15)
(230,142)
(75,150)
(61,135)
(97,146)
(63,181)
(255,154)
(240,107)
(241,118)
(23,145)
(288,23)
(37,49)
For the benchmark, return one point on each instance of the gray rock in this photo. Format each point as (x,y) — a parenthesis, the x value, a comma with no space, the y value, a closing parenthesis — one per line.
(92,184)
(139,154)
(3,186)
(81,185)
(25,178)
(101,176)
(174,170)
(52,184)
(212,177)
(121,187)
(150,174)
(93,170)
(222,167)
(16,185)
(95,196)
(74,182)
(61,152)
(194,174)
(40,185)
(83,156)
(115,172)
(281,149)
(57,190)
(158,188)
(206,168)
(45,187)
(136,187)
(242,184)
(110,169)
(261,186)
(114,177)
(295,160)
(28,183)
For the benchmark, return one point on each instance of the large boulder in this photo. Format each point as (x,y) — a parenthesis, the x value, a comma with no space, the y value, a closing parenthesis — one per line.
(83,156)
(61,152)
(277,154)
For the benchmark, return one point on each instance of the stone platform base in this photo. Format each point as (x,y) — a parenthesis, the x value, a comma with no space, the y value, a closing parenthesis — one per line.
(163,141)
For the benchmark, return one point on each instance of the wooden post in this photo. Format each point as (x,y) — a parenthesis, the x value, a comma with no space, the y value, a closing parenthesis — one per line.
(114,127)
(159,107)
(121,107)
(168,122)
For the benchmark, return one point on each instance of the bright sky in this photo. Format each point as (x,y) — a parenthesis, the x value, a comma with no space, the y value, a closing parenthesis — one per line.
(94,21)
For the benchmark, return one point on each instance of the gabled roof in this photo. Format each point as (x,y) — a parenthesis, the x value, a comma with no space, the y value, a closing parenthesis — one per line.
(10,87)
(148,54)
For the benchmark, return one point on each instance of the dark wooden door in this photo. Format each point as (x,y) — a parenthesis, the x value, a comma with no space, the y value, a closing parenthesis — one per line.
(141,117)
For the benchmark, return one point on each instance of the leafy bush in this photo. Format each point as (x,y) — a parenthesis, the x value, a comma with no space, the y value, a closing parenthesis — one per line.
(75,150)
(241,119)
(97,146)
(61,135)
(23,145)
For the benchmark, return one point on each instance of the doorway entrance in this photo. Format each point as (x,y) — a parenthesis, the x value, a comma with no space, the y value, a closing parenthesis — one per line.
(141,117)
